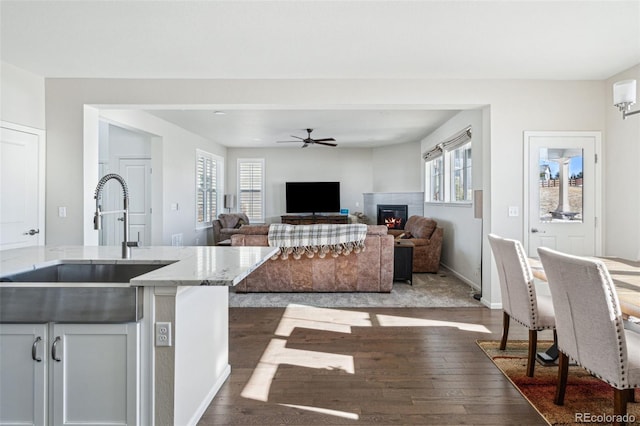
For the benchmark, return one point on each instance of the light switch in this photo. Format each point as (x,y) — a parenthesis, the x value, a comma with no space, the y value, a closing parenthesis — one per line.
(513,211)
(62,212)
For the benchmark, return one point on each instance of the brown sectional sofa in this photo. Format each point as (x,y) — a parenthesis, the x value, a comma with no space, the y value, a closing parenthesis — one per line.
(367,271)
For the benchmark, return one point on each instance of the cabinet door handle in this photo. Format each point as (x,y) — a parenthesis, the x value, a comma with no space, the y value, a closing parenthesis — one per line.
(34,349)
(54,349)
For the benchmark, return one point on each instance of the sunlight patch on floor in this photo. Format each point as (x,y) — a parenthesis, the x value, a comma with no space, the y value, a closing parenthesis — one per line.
(344,414)
(277,353)
(311,317)
(395,321)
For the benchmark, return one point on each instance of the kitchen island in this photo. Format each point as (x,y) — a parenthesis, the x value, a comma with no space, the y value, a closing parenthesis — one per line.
(163,367)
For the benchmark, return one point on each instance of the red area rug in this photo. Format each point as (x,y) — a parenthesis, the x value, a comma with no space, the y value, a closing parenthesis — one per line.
(588,400)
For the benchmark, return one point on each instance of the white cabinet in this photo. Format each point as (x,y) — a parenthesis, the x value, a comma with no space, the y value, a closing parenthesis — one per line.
(87,374)
(94,374)
(23,374)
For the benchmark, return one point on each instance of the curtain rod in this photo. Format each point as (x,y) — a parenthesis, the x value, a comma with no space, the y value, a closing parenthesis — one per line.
(457,139)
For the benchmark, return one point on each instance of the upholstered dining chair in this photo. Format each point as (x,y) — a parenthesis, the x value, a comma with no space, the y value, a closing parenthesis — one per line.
(590,327)
(519,298)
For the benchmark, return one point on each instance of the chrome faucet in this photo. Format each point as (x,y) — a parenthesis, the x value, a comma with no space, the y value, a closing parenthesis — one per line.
(97,217)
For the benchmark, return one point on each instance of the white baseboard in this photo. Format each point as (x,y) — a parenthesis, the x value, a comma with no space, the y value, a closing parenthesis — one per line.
(475,286)
(209,397)
(462,278)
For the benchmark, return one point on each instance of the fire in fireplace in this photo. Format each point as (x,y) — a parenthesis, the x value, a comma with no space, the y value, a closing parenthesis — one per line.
(392,215)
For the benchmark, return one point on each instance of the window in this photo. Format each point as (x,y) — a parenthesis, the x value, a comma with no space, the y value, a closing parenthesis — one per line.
(461,189)
(448,170)
(436,179)
(208,187)
(251,188)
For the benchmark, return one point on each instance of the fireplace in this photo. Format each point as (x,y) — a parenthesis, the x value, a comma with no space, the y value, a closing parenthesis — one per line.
(392,215)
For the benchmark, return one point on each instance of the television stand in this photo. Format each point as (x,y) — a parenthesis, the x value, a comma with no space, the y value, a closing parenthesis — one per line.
(311,219)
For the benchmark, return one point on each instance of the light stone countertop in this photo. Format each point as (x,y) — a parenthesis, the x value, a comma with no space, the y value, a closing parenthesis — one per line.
(189,266)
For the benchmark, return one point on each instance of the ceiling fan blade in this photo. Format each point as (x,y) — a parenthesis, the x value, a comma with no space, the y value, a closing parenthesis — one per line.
(297,137)
(326,143)
(325,140)
(305,145)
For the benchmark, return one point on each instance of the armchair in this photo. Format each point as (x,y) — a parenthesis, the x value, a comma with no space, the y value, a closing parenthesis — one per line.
(228,224)
(426,237)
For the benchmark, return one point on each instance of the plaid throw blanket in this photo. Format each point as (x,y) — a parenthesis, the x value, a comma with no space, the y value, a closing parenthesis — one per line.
(320,239)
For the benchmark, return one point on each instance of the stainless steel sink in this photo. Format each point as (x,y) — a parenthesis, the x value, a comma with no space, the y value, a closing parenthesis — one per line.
(96,302)
(84,272)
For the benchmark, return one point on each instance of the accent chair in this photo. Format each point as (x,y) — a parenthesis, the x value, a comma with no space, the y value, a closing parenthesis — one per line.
(590,326)
(520,300)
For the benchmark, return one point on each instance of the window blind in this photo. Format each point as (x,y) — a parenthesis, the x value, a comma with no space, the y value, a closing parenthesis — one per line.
(206,188)
(251,188)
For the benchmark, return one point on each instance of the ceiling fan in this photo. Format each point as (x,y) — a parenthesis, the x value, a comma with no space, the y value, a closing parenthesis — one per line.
(309,141)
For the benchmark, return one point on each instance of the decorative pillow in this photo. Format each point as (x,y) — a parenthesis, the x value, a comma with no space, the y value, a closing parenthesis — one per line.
(240,223)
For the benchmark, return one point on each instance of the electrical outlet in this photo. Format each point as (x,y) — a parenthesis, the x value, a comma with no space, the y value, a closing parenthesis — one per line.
(163,334)
(513,211)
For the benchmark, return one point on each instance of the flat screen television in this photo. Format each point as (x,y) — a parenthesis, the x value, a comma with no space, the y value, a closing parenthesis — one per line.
(313,197)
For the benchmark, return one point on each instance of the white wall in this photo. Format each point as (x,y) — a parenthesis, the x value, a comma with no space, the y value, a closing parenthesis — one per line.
(515,106)
(462,245)
(116,143)
(173,161)
(121,142)
(351,167)
(621,173)
(21,97)
(384,169)
(397,168)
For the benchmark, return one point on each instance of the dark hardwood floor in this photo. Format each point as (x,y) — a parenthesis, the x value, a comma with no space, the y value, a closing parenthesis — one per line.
(318,366)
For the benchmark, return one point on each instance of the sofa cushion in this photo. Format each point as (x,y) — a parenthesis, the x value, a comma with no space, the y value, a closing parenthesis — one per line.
(420,227)
(377,230)
(252,229)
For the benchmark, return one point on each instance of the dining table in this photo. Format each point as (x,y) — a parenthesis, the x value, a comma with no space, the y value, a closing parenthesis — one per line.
(625,275)
(626,278)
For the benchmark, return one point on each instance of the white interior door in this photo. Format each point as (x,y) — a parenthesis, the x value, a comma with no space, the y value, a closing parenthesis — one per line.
(137,174)
(21,186)
(563,187)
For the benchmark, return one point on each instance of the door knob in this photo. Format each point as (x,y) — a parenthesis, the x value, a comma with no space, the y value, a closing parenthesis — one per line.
(536,230)
(32,232)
